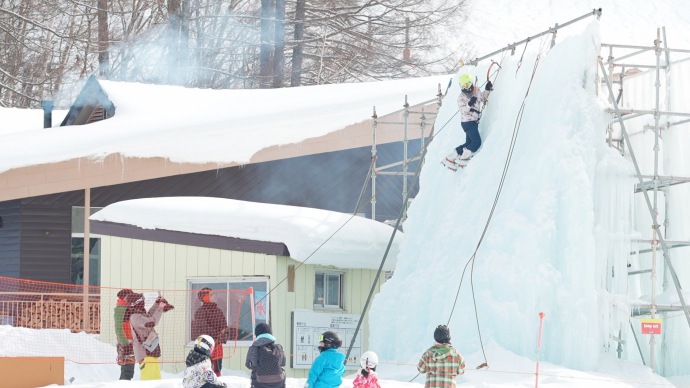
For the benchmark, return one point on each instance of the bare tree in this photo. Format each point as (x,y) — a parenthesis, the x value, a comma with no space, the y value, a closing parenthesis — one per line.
(103,60)
(279,50)
(347,41)
(298,42)
(267,14)
(213,44)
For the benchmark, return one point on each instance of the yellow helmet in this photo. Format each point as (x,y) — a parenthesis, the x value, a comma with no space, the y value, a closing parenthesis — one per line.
(465,81)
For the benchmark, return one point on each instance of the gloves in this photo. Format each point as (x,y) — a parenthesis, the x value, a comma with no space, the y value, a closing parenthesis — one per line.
(472,101)
(165,302)
(489,86)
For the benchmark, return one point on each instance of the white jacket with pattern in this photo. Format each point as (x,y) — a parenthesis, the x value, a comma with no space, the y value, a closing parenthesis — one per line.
(466,112)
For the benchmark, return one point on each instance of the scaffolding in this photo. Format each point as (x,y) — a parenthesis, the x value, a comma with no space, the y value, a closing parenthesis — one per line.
(401,168)
(374,171)
(614,70)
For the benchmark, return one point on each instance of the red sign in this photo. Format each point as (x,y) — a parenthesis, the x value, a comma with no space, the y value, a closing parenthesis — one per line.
(651,326)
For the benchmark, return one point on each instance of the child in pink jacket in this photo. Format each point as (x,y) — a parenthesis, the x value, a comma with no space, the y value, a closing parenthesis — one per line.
(366,378)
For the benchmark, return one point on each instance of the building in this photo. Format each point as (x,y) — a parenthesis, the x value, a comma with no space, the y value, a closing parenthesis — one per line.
(122,141)
(310,271)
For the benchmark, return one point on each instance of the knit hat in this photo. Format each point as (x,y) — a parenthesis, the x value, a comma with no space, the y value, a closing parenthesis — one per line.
(442,334)
(122,294)
(262,328)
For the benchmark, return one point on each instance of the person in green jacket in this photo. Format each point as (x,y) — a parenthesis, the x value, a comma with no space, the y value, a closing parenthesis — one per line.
(125,351)
(441,363)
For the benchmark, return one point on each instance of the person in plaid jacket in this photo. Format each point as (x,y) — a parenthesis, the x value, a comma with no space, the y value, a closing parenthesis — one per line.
(441,363)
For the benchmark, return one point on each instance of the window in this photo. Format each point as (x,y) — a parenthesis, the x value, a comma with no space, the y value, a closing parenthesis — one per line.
(77,259)
(77,262)
(328,289)
(234,299)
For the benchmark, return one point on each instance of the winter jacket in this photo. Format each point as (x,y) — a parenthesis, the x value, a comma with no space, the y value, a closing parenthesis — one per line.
(368,381)
(145,336)
(327,370)
(210,320)
(199,372)
(471,113)
(442,364)
(119,318)
(266,359)
(125,351)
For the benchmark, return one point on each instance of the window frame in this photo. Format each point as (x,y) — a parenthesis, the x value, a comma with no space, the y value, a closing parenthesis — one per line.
(77,232)
(195,284)
(94,259)
(341,286)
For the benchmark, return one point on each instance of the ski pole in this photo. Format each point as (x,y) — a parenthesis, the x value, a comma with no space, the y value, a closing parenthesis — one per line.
(541,325)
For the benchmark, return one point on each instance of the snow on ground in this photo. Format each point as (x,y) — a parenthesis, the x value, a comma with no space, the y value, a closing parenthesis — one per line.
(505,368)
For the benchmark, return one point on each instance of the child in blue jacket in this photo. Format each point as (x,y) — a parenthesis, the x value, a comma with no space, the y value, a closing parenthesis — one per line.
(328,368)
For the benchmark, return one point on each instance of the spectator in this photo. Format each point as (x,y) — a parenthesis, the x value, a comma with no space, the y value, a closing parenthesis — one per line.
(366,378)
(123,331)
(147,349)
(441,362)
(210,320)
(328,368)
(266,359)
(199,373)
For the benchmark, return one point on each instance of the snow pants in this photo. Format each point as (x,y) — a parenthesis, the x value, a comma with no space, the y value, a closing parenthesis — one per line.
(472,139)
(150,369)
(126,371)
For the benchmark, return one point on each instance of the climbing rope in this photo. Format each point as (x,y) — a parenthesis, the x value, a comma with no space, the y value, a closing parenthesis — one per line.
(516,130)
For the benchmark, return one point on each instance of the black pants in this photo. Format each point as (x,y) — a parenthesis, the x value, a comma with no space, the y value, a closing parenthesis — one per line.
(217,366)
(126,371)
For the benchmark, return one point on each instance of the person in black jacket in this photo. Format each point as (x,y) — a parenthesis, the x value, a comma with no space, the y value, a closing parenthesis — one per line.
(266,359)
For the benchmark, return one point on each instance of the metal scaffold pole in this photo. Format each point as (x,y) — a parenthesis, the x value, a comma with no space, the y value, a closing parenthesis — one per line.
(511,47)
(657,233)
(406,115)
(374,123)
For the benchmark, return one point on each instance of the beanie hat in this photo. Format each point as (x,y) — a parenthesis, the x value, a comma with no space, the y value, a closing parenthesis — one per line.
(442,334)
(122,294)
(262,328)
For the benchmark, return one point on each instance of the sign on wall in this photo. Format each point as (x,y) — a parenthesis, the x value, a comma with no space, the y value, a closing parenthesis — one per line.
(651,326)
(307,325)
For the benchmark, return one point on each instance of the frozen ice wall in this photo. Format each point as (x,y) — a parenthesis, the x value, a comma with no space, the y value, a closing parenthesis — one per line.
(547,247)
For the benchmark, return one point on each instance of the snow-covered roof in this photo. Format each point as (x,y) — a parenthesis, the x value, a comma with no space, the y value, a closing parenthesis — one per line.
(205,125)
(313,236)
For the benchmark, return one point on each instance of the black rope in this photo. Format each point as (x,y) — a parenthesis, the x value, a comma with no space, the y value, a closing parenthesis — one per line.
(365,185)
(403,210)
(516,130)
(421,152)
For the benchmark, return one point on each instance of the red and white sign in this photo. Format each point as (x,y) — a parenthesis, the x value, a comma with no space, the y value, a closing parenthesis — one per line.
(651,326)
